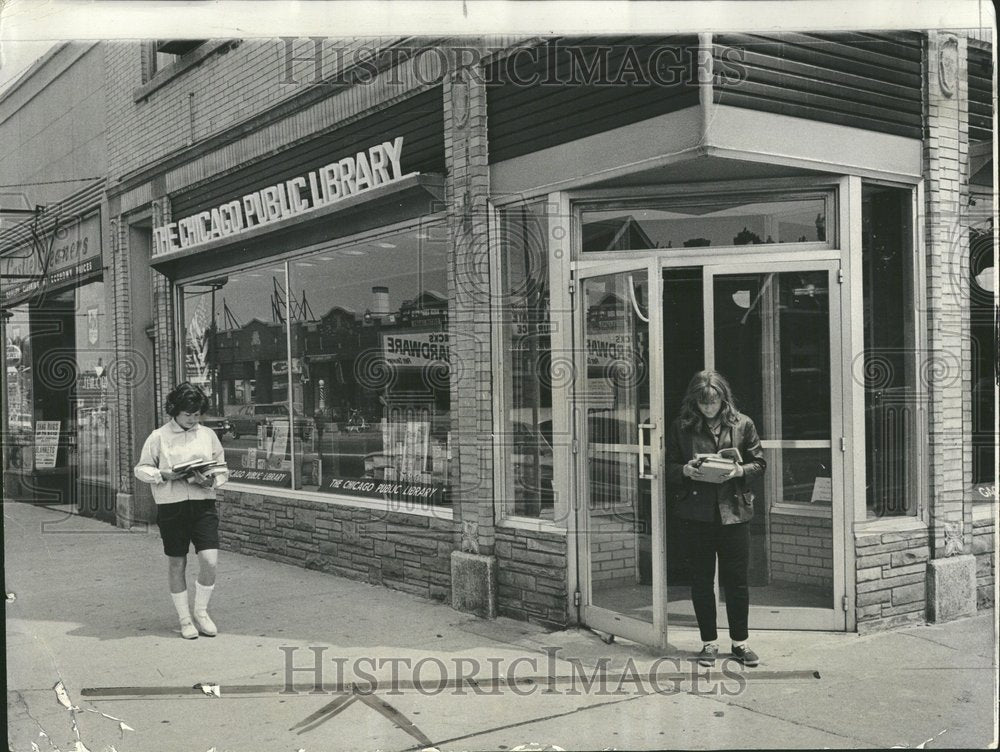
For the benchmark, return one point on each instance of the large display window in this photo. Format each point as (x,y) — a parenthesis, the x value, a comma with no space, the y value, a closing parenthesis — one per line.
(330,372)
(60,429)
(526,434)
(19,431)
(890,370)
(983,356)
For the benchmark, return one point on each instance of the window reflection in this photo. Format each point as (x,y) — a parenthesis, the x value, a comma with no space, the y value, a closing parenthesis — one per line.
(772,337)
(371,368)
(59,424)
(527,438)
(674,223)
(890,409)
(236,351)
(337,379)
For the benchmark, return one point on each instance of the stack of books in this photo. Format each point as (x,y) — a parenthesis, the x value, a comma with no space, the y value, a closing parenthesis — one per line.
(208,468)
(717,467)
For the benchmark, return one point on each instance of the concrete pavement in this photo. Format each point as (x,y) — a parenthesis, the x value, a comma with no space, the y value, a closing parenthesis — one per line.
(90,609)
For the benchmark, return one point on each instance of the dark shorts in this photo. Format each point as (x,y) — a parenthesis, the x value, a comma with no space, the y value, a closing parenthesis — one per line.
(185,522)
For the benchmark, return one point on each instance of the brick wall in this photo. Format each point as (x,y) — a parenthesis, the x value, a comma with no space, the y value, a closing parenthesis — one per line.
(165,360)
(891,579)
(399,551)
(984,548)
(469,317)
(52,127)
(946,368)
(531,576)
(613,552)
(224,90)
(116,249)
(801,549)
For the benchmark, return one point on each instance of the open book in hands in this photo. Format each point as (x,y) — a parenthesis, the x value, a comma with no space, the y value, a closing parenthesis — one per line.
(717,466)
(208,468)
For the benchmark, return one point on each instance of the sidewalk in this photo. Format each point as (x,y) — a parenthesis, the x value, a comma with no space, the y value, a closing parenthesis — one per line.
(91,609)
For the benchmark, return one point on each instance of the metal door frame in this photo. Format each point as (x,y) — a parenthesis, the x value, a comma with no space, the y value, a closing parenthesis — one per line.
(791,617)
(603,619)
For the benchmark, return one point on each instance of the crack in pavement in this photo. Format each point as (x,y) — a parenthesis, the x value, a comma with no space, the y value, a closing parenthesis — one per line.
(942,644)
(523,723)
(24,702)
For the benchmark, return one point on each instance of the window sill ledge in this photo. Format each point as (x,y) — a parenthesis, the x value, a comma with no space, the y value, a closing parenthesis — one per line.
(983,511)
(531,525)
(439,513)
(889,525)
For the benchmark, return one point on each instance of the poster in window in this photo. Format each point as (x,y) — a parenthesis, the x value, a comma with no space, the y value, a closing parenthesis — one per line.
(46,443)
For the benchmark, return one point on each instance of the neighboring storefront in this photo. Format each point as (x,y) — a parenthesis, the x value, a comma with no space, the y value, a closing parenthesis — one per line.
(444,338)
(59,404)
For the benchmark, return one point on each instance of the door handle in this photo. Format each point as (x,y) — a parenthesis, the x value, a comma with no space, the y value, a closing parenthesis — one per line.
(642,451)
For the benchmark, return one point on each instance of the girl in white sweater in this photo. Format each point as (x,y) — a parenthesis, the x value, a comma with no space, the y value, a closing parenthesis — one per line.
(185,503)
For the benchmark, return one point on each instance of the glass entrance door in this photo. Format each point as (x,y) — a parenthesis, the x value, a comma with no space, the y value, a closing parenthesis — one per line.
(774,332)
(619,422)
(642,331)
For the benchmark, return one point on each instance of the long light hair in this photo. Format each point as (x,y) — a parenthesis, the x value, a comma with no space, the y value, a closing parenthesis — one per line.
(703,386)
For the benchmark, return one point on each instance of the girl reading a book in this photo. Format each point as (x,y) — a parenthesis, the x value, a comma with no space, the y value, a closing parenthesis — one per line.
(184,463)
(713,508)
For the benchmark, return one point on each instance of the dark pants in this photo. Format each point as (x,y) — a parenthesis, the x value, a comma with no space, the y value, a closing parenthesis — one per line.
(731,544)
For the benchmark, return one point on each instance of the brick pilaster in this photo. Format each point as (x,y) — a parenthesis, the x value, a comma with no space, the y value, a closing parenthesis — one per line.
(467,190)
(165,345)
(947,250)
(124,367)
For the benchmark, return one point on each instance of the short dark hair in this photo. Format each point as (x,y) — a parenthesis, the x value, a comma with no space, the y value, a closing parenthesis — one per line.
(186,398)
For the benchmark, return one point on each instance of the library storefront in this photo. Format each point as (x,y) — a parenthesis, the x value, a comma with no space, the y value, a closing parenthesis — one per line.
(314,308)
(457,382)
(58,404)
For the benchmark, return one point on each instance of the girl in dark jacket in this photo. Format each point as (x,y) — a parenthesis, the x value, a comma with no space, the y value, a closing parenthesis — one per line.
(715,516)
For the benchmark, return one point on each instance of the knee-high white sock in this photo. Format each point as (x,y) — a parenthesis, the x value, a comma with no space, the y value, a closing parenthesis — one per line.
(202,594)
(181,604)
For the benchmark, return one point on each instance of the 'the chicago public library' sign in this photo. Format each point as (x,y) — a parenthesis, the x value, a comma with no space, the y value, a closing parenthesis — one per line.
(350,176)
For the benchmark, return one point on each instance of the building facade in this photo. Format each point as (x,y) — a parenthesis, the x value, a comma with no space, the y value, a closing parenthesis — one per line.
(445,297)
(58,406)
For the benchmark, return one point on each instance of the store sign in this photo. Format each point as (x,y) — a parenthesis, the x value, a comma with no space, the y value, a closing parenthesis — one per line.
(379,165)
(280,367)
(277,478)
(74,252)
(416,349)
(388,490)
(604,349)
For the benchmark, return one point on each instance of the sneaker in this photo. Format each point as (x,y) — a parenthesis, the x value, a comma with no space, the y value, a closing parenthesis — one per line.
(745,656)
(188,631)
(205,625)
(708,655)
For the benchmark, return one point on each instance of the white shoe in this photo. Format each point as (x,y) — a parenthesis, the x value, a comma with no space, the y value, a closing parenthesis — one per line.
(188,630)
(205,625)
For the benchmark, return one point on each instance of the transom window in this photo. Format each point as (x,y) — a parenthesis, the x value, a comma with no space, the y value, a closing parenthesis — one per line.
(679,222)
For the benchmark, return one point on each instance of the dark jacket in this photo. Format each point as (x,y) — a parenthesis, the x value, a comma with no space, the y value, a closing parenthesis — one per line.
(696,500)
